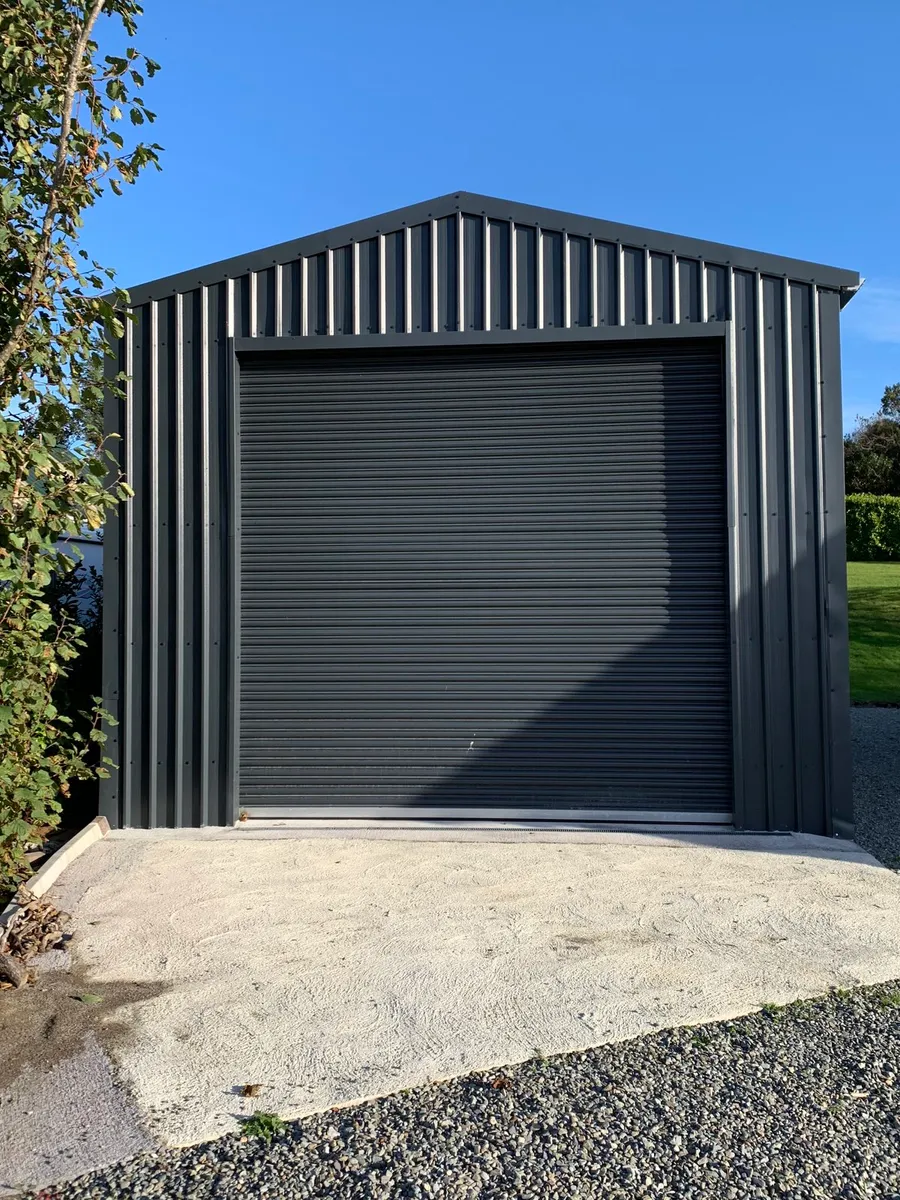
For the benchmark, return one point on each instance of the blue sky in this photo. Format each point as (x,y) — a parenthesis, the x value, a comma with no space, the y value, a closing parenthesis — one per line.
(762,124)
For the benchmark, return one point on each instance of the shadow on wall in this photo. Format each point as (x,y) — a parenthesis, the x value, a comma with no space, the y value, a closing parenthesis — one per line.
(649,749)
(652,730)
(657,720)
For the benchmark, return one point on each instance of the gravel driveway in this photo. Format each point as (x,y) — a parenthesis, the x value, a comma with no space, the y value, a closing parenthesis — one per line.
(802,1101)
(876,781)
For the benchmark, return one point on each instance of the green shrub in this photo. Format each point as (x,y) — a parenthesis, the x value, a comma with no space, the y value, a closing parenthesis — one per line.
(48,491)
(60,151)
(873,528)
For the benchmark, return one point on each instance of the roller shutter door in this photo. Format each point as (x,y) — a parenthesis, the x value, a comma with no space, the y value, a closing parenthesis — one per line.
(485,582)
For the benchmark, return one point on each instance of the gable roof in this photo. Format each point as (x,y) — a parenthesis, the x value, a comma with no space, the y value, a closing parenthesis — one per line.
(494,209)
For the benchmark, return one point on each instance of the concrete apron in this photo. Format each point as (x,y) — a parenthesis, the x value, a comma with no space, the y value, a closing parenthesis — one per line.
(332,968)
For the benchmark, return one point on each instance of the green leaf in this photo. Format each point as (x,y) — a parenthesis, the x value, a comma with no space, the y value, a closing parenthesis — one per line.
(89,998)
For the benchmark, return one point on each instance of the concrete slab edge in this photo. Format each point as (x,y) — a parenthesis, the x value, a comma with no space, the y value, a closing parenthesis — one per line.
(486,1065)
(664,838)
(48,873)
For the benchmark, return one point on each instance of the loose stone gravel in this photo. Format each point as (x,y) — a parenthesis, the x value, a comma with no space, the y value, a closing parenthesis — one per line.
(876,781)
(800,1102)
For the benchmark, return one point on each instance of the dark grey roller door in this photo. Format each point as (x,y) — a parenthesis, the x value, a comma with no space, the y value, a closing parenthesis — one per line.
(485,581)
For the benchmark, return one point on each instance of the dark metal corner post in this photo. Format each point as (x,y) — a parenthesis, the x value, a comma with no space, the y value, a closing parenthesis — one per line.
(833,534)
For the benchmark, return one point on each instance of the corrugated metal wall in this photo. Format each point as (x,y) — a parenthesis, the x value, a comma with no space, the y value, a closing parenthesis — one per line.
(168,659)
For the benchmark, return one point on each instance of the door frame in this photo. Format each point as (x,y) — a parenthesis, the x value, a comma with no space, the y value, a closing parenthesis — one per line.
(721,332)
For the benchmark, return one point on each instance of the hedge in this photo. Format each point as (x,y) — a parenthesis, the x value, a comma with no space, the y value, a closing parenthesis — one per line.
(873,528)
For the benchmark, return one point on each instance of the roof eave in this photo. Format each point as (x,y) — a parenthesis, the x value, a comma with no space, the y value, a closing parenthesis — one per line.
(850,290)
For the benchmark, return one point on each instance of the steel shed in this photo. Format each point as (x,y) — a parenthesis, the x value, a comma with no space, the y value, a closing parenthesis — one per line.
(482,510)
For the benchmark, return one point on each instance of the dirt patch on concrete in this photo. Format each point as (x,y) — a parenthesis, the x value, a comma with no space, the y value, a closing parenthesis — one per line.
(47,1022)
(64,1109)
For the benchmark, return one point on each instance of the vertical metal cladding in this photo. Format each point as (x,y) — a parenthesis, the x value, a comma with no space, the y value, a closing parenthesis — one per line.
(166,561)
(477,265)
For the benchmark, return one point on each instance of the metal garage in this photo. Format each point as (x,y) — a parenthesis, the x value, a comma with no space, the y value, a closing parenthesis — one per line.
(481,511)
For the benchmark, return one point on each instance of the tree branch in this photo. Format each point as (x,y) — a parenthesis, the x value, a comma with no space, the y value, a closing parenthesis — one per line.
(39,266)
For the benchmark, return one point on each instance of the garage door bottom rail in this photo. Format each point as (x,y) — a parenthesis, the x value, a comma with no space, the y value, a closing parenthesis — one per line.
(481,815)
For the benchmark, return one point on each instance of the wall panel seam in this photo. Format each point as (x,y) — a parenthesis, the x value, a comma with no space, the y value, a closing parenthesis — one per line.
(205,563)
(539,275)
(704,298)
(595,284)
(329,292)
(407,278)
(648,287)
(567,281)
(793,555)
(765,566)
(488,297)
(740,597)
(179,560)
(435,281)
(355,288)
(824,621)
(513,278)
(382,283)
(153,797)
(279,299)
(460,272)
(127,798)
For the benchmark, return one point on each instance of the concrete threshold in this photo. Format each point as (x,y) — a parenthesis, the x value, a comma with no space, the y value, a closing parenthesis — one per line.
(502,832)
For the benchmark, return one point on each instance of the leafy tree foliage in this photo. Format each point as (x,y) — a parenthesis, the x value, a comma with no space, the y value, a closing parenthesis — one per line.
(60,151)
(890,401)
(872,451)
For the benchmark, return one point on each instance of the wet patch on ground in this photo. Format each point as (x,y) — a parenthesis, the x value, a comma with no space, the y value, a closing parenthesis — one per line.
(48,1021)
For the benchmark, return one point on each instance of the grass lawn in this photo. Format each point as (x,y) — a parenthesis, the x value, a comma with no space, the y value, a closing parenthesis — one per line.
(874,631)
